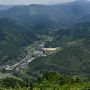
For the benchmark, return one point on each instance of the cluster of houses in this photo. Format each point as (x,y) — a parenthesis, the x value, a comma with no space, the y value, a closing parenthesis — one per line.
(39,51)
(44,51)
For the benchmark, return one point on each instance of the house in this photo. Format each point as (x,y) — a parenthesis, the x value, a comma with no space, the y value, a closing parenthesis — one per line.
(49,50)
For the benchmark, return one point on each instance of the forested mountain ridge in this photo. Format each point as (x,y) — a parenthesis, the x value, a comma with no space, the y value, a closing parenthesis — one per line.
(73,58)
(13,38)
(47,81)
(48,16)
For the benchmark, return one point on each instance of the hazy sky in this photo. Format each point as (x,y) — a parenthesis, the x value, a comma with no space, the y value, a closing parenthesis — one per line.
(33,1)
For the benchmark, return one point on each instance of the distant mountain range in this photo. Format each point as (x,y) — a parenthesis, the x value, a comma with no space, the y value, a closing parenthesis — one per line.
(5,7)
(48,16)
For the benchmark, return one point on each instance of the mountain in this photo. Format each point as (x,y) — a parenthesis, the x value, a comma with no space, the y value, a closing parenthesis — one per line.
(85,18)
(41,17)
(74,56)
(5,7)
(38,19)
(23,31)
(48,17)
(14,36)
(25,21)
(20,26)
(77,8)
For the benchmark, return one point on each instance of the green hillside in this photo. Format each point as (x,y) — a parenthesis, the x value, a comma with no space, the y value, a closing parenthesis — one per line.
(42,18)
(73,58)
(48,81)
(19,26)
(14,37)
(48,17)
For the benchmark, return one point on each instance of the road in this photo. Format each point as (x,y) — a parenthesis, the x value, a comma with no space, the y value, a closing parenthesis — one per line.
(29,57)
(36,46)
